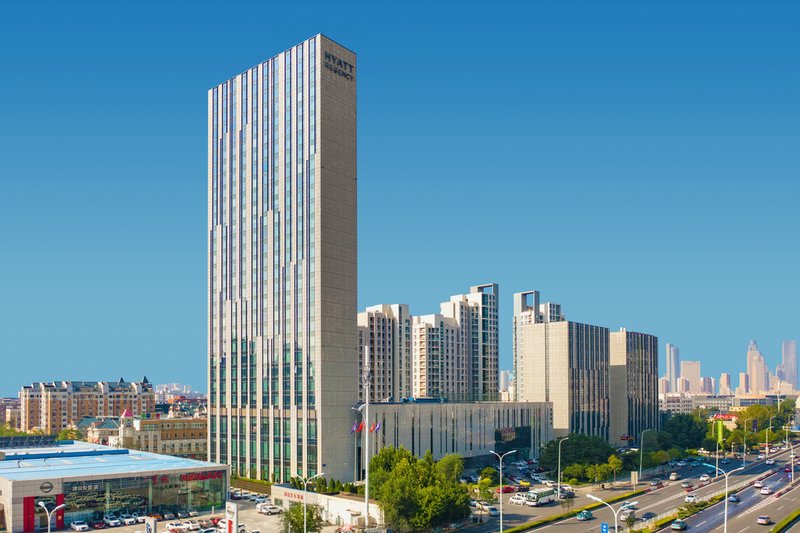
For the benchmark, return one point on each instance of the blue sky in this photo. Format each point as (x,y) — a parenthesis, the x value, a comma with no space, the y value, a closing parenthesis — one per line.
(636,161)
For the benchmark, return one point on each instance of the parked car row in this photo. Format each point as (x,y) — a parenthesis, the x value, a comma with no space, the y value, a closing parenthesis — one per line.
(117,519)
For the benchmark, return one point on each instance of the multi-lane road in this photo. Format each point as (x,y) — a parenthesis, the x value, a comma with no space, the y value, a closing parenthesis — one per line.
(662,500)
(742,516)
(672,495)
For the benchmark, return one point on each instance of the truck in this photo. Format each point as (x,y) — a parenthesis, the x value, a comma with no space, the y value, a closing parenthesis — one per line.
(542,496)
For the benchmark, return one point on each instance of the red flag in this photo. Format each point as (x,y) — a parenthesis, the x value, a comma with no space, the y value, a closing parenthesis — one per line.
(360,427)
(371,429)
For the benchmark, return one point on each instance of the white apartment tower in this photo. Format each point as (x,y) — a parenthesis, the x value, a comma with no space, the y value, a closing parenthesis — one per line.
(384,333)
(440,364)
(282,346)
(476,314)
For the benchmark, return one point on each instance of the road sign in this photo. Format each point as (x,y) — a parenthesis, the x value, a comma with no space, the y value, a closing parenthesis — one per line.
(603,528)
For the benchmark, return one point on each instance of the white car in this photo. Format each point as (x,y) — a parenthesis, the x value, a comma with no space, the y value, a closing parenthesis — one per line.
(564,486)
(766,491)
(770,461)
(127,519)
(674,476)
(270,510)
(549,482)
(690,498)
(705,477)
(763,520)
(177,525)
(517,499)
(492,511)
(628,505)
(192,525)
(111,520)
(79,525)
(758,484)
(140,518)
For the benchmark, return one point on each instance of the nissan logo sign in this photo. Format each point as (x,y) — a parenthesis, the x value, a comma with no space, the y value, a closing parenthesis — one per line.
(46,486)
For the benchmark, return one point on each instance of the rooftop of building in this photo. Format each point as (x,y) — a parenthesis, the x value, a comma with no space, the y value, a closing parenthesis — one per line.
(36,460)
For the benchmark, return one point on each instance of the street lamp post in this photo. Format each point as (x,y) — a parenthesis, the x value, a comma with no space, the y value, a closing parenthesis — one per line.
(50,513)
(615,513)
(559,463)
(766,437)
(305,496)
(791,461)
(744,442)
(725,522)
(500,458)
(641,451)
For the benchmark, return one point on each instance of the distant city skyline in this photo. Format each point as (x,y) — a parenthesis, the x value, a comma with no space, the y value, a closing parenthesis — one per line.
(582,150)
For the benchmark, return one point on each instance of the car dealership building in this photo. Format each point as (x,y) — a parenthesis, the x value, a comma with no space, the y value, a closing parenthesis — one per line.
(92,480)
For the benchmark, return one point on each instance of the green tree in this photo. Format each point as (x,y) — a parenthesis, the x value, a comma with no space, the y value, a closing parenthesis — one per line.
(69,434)
(583,449)
(382,463)
(450,467)
(491,474)
(687,430)
(420,493)
(292,518)
(574,471)
(485,490)
(615,465)
(593,473)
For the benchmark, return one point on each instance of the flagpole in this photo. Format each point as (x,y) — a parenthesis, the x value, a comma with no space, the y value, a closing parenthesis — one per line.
(367,378)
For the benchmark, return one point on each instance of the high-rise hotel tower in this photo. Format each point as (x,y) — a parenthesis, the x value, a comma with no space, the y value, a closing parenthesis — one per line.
(282,346)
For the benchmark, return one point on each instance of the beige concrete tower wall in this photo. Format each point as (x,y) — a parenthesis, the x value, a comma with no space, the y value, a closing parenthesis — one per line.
(618,385)
(336,246)
(282,263)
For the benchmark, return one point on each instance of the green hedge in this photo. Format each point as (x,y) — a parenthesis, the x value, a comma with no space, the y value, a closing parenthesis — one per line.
(784,524)
(253,485)
(569,514)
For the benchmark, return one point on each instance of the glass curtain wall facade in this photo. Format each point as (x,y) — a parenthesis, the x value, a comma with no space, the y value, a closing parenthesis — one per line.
(282,261)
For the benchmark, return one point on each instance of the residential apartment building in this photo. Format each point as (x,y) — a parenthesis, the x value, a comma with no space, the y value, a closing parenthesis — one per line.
(563,362)
(453,354)
(51,407)
(476,315)
(181,437)
(282,264)
(633,388)
(384,335)
(9,412)
(440,364)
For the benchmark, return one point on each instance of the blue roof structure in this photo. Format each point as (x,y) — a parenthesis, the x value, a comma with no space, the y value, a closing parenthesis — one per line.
(68,459)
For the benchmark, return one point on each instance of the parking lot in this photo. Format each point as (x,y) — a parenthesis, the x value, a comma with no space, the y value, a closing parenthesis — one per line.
(248,516)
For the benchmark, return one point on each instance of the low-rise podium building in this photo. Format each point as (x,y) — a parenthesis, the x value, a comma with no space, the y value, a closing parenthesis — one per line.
(92,480)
